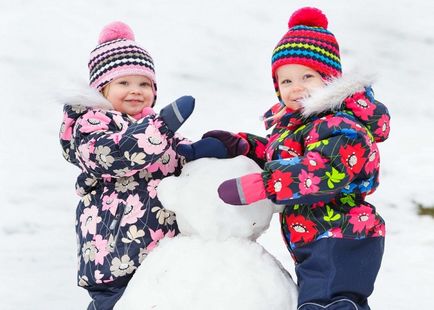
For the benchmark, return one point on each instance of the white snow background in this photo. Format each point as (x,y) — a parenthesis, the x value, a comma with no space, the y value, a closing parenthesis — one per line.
(219,52)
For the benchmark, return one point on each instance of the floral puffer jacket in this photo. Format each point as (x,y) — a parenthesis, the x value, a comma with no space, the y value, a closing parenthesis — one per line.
(119,218)
(323,161)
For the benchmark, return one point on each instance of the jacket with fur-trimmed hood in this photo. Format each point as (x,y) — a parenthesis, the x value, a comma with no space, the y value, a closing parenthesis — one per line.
(119,218)
(322,161)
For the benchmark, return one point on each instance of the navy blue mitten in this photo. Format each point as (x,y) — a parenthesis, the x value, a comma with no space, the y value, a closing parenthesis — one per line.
(207,147)
(175,114)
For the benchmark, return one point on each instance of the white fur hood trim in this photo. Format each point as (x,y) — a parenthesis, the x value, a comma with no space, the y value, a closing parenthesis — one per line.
(84,95)
(332,96)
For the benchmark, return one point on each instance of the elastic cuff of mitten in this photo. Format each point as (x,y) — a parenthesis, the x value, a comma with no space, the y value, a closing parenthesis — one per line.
(253,187)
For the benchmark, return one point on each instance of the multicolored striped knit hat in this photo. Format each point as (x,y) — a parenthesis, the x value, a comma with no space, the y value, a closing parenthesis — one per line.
(117,55)
(308,43)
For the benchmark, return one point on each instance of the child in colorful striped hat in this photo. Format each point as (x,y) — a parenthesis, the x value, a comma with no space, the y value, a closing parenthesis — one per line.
(123,149)
(321,161)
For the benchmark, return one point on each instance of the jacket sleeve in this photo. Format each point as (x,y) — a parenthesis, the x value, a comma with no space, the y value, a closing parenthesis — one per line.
(108,145)
(179,139)
(257,147)
(329,164)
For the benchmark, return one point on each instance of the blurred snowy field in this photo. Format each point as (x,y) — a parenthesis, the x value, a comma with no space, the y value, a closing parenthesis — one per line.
(219,52)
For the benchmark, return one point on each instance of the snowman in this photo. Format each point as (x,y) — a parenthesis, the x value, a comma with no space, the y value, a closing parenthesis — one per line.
(215,263)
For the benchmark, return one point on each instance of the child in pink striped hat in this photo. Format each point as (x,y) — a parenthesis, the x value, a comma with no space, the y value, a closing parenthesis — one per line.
(320,161)
(123,149)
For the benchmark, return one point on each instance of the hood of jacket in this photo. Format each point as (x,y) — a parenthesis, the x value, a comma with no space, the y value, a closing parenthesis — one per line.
(351,94)
(83,99)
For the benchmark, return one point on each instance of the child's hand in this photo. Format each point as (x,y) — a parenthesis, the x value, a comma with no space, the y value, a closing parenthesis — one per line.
(176,113)
(207,147)
(234,143)
(243,191)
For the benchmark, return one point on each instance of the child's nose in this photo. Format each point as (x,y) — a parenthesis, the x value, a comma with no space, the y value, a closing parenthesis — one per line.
(135,89)
(298,87)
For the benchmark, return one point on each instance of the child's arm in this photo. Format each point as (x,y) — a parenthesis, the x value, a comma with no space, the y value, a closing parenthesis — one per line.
(224,144)
(327,167)
(112,147)
(256,148)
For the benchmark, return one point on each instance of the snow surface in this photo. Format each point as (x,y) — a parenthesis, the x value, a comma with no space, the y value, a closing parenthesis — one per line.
(219,52)
(215,263)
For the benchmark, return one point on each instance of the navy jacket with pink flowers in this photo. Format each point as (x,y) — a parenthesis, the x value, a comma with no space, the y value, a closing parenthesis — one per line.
(322,162)
(119,218)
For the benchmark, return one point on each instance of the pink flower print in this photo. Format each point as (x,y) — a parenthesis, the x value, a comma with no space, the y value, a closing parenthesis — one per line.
(152,141)
(89,219)
(312,137)
(156,236)
(66,128)
(361,106)
(170,234)
(152,188)
(383,127)
(116,137)
(157,123)
(94,121)
(314,161)
(133,210)
(106,177)
(308,182)
(336,232)
(362,218)
(101,246)
(84,151)
(167,163)
(110,203)
(122,125)
(373,160)
(352,124)
(333,121)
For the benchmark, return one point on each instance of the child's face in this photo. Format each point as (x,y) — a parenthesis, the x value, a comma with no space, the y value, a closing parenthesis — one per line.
(296,83)
(130,94)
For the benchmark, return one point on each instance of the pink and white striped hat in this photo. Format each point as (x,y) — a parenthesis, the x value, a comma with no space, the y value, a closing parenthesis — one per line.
(117,55)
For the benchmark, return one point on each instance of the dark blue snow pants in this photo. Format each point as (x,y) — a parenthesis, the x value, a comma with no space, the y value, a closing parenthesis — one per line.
(337,274)
(105,298)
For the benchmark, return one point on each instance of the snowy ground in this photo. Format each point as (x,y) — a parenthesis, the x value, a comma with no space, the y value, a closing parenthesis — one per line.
(219,53)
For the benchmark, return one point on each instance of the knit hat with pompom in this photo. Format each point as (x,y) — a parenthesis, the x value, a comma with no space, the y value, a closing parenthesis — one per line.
(308,43)
(117,55)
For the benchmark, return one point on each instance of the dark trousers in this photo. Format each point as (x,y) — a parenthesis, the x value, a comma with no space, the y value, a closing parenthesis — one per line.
(105,298)
(337,274)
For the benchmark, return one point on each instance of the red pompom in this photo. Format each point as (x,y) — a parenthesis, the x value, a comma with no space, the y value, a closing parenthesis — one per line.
(115,30)
(308,16)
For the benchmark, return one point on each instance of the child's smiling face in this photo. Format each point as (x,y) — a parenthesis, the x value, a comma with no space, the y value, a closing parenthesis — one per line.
(296,83)
(130,94)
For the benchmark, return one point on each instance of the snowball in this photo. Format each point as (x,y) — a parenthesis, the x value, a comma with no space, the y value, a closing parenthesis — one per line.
(190,273)
(214,263)
(199,209)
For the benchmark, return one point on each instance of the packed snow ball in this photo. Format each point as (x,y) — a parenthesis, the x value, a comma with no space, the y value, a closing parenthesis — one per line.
(215,263)
(199,209)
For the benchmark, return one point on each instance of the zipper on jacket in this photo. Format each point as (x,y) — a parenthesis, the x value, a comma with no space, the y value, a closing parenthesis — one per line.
(116,223)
